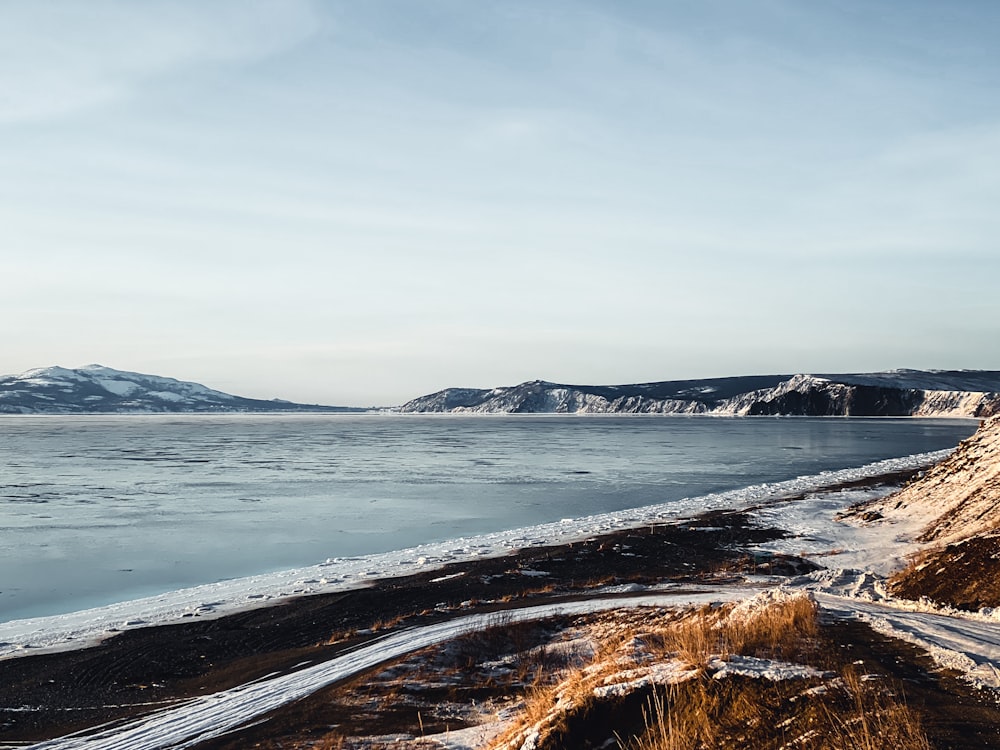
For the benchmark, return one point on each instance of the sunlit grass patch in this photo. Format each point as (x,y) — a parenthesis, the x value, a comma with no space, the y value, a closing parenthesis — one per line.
(665,683)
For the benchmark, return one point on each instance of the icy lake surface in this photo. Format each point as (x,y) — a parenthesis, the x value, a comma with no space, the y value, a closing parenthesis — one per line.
(101,509)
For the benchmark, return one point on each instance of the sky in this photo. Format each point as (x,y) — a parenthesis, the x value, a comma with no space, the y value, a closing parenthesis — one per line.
(359,203)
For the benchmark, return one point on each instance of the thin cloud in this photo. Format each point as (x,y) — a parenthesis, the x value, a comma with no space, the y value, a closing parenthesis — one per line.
(58,56)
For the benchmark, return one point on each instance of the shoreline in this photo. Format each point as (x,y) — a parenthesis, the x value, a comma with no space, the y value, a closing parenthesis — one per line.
(146,668)
(88,627)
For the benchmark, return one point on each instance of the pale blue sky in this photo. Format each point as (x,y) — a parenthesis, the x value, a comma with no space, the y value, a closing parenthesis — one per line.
(357,203)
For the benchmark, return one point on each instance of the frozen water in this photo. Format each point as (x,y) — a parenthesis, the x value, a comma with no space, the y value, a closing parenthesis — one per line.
(103,509)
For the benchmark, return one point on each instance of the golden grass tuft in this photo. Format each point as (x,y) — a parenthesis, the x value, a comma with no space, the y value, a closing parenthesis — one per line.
(875,719)
(781,629)
(706,713)
(701,712)
(382,624)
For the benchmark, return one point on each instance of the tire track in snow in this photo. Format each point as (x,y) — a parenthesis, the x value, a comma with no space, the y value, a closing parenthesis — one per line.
(967,644)
(214,715)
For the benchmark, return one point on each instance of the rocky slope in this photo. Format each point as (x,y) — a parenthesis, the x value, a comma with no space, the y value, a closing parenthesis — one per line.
(959,497)
(956,393)
(98,389)
(958,501)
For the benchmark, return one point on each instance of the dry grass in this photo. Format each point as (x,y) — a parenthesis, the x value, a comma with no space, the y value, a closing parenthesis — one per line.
(387,623)
(635,679)
(380,625)
(701,712)
(522,643)
(683,722)
(783,629)
(438,688)
(853,715)
(529,592)
(876,719)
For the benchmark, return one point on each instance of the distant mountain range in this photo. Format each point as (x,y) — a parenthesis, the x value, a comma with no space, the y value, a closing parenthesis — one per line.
(99,389)
(897,393)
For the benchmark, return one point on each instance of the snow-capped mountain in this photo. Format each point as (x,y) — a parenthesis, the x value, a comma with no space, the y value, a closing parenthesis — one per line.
(955,393)
(99,389)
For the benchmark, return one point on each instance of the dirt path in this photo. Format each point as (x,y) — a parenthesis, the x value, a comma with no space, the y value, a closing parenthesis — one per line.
(967,644)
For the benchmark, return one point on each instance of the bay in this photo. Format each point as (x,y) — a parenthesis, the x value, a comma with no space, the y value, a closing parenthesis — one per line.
(100,509)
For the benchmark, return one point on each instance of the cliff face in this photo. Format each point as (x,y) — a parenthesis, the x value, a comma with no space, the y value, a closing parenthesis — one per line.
(539,397)
(811,395)
(894,394)
(957,403)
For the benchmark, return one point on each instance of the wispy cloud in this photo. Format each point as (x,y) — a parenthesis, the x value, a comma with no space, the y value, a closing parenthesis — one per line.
(661,188)
(60,56)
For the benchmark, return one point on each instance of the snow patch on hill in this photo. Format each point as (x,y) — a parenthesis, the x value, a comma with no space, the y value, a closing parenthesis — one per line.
(100,389)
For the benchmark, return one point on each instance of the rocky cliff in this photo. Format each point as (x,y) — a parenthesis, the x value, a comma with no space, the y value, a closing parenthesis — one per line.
(899,393)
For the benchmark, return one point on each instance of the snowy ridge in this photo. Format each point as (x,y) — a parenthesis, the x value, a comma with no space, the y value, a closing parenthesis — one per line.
(79,629)
(99,389)
(958,393)
(960,497)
